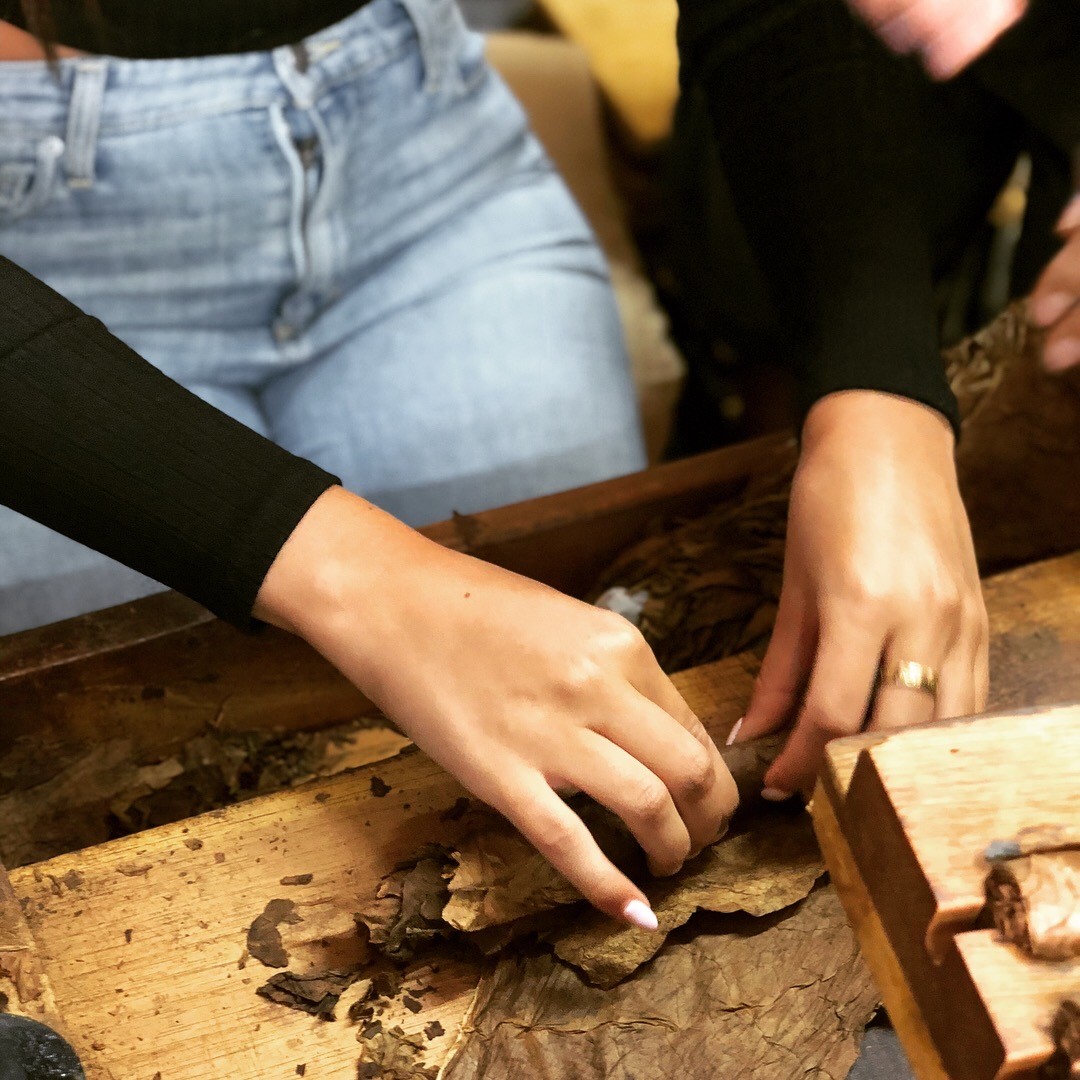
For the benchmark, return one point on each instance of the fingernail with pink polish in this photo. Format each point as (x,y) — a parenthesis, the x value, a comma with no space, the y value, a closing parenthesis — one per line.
(1061,354)
(734,732)
(772,794)
(639,914)
(1046,310)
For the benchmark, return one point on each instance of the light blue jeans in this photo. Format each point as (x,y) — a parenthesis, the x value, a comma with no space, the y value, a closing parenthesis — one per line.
(353,245)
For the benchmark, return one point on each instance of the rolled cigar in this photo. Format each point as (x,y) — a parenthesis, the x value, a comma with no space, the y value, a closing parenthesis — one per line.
(1035,903)
(1065,1029)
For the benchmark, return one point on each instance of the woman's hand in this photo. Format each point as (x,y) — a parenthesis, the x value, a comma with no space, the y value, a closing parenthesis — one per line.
(946,34)
(516,689)
(879,568)
(1053,304)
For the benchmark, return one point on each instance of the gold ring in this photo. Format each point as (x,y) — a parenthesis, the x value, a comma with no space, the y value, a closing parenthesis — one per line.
(911,676)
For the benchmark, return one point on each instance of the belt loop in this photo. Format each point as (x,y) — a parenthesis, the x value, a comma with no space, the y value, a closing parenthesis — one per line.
(84,121)
(437,27)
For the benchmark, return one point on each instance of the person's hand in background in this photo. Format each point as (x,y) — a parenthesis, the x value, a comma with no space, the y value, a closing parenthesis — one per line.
(947,35)
(879,568)
(519,691)
(1053,303)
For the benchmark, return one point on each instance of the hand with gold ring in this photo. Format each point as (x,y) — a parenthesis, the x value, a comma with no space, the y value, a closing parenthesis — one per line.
(881,620)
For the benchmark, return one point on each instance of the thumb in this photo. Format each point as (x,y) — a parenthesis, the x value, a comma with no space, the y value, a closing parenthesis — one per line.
(784,671)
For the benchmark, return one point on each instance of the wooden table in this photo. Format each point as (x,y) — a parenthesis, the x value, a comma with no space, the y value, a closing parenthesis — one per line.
(143,939)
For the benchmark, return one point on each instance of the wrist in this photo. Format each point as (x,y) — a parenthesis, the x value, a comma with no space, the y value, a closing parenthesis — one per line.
(330,566)
(861,419)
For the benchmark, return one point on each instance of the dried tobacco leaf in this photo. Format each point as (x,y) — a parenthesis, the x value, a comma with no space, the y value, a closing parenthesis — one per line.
(407,910)
(1035,903)
(769,867)
(1065,1031)
(263,937)
(741,998)
(501,877)
(392,1055)
(317,995)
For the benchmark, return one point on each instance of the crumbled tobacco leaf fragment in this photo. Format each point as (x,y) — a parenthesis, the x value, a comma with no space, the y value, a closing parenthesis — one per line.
(323,796)
(434,1030)
(298,879)
(361,1011)
(219,857)
(264,938)
(407,910)
(316,995)
(371,1029)
(192,844)
(392,1055)
(379,787)
(301,1070)
(386,984)
(411,1003)
(128,934)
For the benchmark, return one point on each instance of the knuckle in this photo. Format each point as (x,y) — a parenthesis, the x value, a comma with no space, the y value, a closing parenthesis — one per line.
(554,836)
(697,775)
(829,721)
(649,800)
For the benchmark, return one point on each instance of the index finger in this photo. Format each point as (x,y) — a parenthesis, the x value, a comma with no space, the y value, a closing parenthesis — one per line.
(836,703)
(553,828)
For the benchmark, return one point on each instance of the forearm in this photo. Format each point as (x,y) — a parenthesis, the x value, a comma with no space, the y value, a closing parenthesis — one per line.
(99,445)
(817,129)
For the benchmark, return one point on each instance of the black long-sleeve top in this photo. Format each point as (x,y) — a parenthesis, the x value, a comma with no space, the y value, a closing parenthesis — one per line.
(97,444)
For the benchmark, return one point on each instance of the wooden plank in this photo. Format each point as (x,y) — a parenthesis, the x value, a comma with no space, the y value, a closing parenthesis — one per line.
(26,986)
(1018,994)
(634,57)
(143,944)
(877,950)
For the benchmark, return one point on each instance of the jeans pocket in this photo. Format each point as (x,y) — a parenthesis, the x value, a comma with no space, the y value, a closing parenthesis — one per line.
(28,178)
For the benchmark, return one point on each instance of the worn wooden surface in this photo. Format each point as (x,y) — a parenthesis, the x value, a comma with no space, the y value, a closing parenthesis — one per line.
(25,985)
(144,945)
(631,47)
(144,936)
(916,809)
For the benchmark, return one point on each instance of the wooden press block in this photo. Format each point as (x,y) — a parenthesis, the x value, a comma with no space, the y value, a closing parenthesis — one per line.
(144,938)
(1000,986)
(916,809)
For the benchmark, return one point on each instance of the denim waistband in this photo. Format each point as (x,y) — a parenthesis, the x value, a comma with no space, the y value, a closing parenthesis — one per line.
(82,98)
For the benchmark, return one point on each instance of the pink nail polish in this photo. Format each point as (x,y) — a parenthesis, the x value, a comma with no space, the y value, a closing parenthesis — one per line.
(1046,310)
(1061,354)
(639,914)
(772,794)
(734,732)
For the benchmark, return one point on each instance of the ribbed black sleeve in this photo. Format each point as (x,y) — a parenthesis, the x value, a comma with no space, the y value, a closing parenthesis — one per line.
(143,28)
(97,444)
(818,132)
